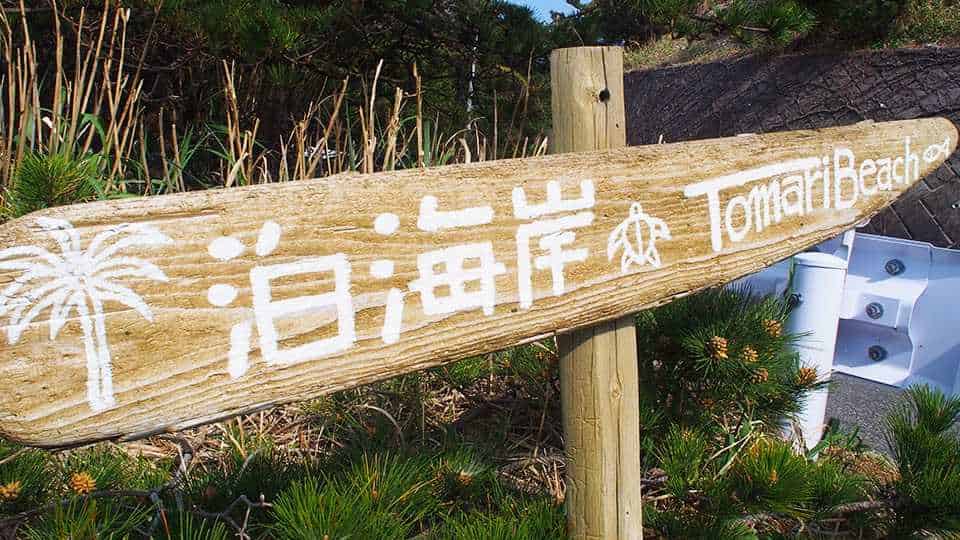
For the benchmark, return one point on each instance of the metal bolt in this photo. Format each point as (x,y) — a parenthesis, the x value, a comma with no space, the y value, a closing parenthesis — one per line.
(877,353)
(894,267)
(874,310)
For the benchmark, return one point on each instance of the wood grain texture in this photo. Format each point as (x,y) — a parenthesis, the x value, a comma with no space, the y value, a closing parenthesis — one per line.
(599,385)
(172,372)
(601,403)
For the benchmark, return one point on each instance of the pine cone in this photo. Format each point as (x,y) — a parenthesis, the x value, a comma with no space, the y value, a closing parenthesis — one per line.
(10,492)
(82,483)
(773,327)
(749,355)
(774,476)
(807,376)
(761,376)
(464,478)
(717,348)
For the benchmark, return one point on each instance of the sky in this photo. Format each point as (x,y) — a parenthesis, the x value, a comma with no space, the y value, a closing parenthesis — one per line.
(542,8)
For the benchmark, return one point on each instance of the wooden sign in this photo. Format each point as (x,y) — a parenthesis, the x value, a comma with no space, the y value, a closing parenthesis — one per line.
(126,318)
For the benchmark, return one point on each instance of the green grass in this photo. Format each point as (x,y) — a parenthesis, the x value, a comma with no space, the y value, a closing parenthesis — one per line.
(930,21)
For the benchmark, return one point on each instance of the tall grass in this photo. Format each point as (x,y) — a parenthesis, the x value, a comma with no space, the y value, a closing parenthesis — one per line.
(85,111)
(85,107)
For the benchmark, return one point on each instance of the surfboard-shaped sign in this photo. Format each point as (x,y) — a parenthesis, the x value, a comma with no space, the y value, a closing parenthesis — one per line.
(124,318)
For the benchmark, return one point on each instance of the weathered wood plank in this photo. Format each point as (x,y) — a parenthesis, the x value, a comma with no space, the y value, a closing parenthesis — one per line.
(226,261)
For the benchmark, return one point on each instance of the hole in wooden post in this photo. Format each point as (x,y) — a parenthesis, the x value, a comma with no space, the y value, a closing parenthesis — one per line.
(604,95)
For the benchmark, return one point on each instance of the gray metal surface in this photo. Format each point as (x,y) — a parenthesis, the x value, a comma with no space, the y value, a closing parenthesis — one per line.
(861,403)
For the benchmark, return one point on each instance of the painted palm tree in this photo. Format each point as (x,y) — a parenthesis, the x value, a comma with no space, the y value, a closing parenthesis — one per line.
(80,281)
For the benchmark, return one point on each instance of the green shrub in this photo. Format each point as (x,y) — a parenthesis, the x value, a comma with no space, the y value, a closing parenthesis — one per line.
(683,456)
(718,357)
(110,468)
(25,478)
(776,22)
(315,510)
(88,519)
(831,485)
(928,458)
(187,526)
(43,181)
(696,526)
(719,379)
(465,478)
(255,470)
(772,477)
(515,519)
(926,21)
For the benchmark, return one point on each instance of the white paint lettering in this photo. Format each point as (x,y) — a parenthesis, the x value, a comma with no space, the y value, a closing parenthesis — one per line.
(843,173)
(267,311)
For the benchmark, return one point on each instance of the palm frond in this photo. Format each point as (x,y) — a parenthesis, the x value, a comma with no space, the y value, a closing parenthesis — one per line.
(53,300)
(128,267)
(115,292)
(63,232)
(22,255)
(138,235)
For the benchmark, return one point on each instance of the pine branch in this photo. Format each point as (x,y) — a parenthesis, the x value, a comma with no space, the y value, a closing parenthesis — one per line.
(106,493)
(226,517)
(863,506)
(752,520)
(182,464)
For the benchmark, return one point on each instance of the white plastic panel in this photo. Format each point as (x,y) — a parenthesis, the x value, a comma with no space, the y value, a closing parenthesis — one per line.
(916,339)
(899,318)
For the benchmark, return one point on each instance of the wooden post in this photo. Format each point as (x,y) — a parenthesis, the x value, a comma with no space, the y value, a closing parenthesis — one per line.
(598,365)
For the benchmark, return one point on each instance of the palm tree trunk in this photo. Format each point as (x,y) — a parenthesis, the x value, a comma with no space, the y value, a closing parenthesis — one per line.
(104,363)
(94,395)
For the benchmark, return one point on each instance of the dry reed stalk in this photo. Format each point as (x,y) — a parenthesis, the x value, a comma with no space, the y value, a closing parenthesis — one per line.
(7,116)
(57,81)
(481,143)
(496,127)
(100,86)
(97,81)
(251,143)
(369,130)
(542,147)
(331,122)
(84,80)
(234,149)
(178,181)
(148,184)
(416,76)
(393,127)
(283,175)
(163,149)
(365,136)
(241,159)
